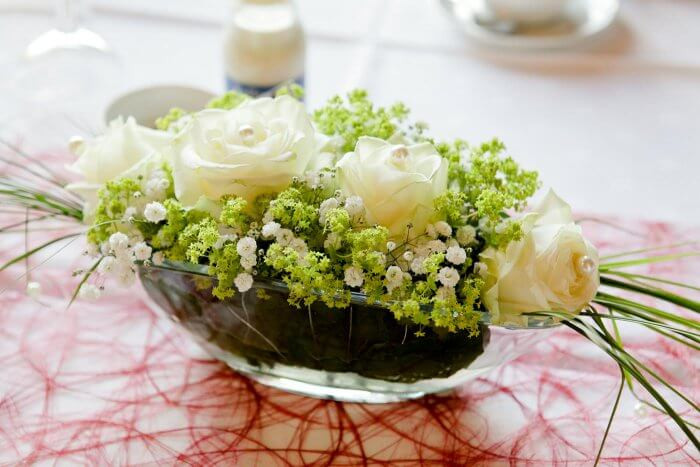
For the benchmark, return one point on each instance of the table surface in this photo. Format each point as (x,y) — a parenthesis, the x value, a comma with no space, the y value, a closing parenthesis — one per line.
(613,126)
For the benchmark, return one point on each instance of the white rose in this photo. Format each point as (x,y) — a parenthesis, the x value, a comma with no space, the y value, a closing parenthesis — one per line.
(553,267)
(255,148)
(126,149)
(397,183)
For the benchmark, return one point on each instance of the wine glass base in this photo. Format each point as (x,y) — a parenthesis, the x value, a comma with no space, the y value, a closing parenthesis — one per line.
(54,40)
(583,20)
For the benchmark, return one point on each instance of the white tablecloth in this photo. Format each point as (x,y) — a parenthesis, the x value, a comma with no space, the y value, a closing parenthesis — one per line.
(613,126)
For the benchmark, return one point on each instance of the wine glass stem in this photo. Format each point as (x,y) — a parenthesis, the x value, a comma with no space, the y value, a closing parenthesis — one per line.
(68,14)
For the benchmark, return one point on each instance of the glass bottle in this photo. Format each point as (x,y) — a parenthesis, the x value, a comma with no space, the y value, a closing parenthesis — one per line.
(264,46)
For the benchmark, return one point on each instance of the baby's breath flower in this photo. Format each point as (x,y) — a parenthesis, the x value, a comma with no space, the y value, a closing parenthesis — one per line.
(246,246)
(221,241)
(431,231)
(466,235)
(243,282)
(154,212)
(391,246)
(456,255)
(158,258)
(443,228)
(248,262)
(481,269)
(118,242)
(354,277)
(34,290)
(270,229)
(408,255)
(326,205)
(142,251)
(448,276)
(394,275)
(436,246)
(89,292)
(284,237)
(299,245)
(268,217)
(354,206)
(417,265)
(135,237)
(106,265)
(155,188)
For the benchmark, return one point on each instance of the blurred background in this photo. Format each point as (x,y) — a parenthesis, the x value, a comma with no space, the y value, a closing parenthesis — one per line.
(607,110)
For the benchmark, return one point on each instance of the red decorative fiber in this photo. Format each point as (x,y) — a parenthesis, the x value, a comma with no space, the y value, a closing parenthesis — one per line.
(114,383)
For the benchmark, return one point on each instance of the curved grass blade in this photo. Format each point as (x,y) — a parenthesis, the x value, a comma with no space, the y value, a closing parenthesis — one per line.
(654,292)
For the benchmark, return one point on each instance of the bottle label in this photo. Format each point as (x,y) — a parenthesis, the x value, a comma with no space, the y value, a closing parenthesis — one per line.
(233,85)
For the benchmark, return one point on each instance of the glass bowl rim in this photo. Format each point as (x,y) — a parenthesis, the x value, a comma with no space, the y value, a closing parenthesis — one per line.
(357,298)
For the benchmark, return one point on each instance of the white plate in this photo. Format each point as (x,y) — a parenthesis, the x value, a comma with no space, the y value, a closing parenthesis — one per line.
(148,104)
(584,20)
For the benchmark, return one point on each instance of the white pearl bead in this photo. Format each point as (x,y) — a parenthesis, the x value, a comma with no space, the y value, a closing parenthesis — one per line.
(399,152)
(247,134)
(640,410)
(246,130)
(586,265)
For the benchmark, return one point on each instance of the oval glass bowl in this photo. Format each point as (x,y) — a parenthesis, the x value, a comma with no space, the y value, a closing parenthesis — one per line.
(358,354)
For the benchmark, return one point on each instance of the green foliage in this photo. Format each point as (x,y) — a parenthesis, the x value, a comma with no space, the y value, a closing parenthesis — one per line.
(291,89)
(338,221)
(228,101)
(175,114)
(489,184)
(225,265)
(113,199)
(175,222)
(233,213)
(452,206)
(309,279)
(356,116)
(297,209)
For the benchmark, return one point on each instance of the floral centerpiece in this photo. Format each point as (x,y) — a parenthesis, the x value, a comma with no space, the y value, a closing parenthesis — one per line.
(345,253)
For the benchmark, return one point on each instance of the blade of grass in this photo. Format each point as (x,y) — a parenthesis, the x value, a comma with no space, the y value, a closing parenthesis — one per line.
(630,276)
(604,344)
(84,279)
(651,324)
(606,300)
(647,250)
(612,416)
(654,292)
(31,252)
(648,260)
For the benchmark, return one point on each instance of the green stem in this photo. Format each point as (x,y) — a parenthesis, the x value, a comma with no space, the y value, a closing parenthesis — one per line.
(612,416)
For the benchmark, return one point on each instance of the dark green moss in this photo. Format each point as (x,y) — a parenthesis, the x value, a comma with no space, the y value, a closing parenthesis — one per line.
(362,339)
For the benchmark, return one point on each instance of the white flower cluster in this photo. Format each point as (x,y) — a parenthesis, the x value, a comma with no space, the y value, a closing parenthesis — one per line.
(354,277)
(407,260)
(247,249)
(394,277)
(119,254)
(154,212)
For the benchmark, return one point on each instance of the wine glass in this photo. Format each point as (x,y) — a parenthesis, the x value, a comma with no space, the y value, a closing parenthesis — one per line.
(69,70)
